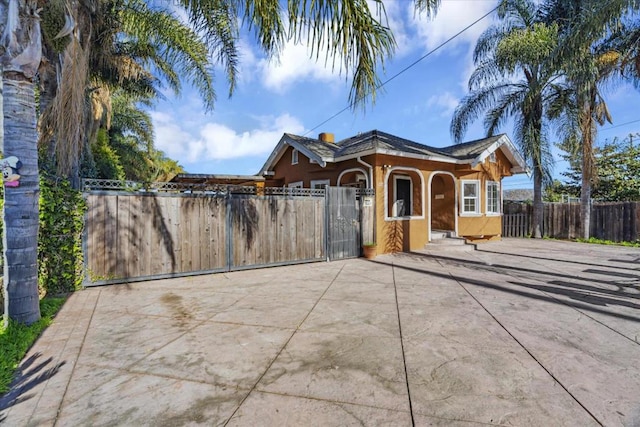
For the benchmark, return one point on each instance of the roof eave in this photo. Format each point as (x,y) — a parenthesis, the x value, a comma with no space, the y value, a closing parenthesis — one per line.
(397,154)
(280,148)
(511,152)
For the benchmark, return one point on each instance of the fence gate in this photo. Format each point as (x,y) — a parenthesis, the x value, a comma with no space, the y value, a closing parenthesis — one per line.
(343,223)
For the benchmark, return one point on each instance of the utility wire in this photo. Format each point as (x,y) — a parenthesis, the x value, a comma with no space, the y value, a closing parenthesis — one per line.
(413,64)
(620,125)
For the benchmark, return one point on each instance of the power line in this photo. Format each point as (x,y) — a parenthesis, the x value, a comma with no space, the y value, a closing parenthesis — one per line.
(413,64)
(620,125)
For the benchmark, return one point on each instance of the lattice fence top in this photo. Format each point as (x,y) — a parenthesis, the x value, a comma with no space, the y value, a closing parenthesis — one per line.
(90,184)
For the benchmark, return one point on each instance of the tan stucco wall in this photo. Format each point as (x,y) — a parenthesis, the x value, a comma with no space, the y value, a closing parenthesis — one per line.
(410,234)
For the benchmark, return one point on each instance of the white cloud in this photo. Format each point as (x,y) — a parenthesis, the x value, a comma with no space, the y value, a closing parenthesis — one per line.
(451,18)
(295,65)
(446,103)
(216,141)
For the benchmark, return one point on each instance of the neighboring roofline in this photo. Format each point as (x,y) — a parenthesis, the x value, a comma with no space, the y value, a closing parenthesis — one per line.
(204,176)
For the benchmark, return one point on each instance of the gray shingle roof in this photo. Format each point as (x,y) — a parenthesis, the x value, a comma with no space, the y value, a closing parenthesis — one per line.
(321,148)
(382,141)
(375,141)
(471,149)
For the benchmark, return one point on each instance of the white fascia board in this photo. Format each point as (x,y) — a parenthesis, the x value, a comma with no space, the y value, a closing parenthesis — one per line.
(280,149)
(397,154)
(273,158)
(508,149)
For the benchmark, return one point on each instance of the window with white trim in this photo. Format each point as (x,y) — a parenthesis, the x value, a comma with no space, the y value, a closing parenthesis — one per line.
(493,198)
(470,197)
(492,157)
(294,157)
(319,183)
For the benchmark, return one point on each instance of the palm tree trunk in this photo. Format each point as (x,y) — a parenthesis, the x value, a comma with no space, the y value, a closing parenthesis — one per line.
(587,131)
(20,59)
(585,190)
(21,203)
(538,206)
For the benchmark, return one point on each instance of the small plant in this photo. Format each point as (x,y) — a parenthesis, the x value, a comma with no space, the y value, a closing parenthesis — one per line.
(17,338)
(593,240)
(369,244)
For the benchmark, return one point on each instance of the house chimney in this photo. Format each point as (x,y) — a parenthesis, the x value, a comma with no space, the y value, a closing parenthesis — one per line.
(327,137)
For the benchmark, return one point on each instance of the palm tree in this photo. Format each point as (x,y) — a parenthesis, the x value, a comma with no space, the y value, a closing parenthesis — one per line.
(587,65)
(513,80)
(347,30)
(116,48)
(19,60)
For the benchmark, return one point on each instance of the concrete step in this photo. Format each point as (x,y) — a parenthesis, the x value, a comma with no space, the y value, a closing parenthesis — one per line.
(441,234)
(449,241)
(449,244)
(434,248)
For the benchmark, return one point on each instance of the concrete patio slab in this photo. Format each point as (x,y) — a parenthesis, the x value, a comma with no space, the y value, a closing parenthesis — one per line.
(518,332)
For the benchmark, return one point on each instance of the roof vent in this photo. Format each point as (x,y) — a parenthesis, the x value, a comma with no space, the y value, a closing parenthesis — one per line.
(327,137)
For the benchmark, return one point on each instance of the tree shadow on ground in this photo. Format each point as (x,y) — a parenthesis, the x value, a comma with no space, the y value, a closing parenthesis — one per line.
(634,266)
(527,273)
(585,303)
(28,376)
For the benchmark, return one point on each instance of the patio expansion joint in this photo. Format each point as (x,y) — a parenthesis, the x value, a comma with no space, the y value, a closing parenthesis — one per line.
(340,402)
(557,380)
(283,347)
(404,359)
(75,362)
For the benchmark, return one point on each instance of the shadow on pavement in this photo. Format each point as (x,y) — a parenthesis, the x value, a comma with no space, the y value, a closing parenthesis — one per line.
(590,264)
(575,295)
(496,268)
(28,376)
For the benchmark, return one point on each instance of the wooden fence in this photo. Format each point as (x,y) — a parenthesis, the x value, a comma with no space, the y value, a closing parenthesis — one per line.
(615,221)
(137,236)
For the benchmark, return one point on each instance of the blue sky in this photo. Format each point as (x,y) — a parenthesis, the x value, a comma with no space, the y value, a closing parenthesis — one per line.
(295,94)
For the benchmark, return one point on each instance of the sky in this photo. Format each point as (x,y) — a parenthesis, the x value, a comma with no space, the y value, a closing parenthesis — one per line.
(295,94)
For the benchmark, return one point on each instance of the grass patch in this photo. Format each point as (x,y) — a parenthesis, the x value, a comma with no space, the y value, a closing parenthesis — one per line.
(17,338)
(635,244)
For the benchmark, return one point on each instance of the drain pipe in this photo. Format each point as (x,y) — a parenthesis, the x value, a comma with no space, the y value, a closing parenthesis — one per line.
(362,162)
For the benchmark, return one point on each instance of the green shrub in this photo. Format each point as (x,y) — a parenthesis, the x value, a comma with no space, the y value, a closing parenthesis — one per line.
(60,260)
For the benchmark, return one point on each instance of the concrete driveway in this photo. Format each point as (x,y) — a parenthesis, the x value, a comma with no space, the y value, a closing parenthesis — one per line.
(519,332)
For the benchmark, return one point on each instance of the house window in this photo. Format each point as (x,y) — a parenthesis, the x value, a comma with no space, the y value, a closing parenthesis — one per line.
(403,196)
(297,184)
(493,198)
(470,197)
(319,183)
(294,157)
(492,157)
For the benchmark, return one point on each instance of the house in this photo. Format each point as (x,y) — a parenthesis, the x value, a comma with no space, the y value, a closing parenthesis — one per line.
(418,189)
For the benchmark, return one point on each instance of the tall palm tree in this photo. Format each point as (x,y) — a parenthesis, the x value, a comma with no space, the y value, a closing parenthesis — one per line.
(513,80)
(20,54)
(587,65)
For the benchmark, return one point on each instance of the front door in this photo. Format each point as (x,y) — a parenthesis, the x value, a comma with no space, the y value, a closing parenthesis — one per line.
(443,203)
